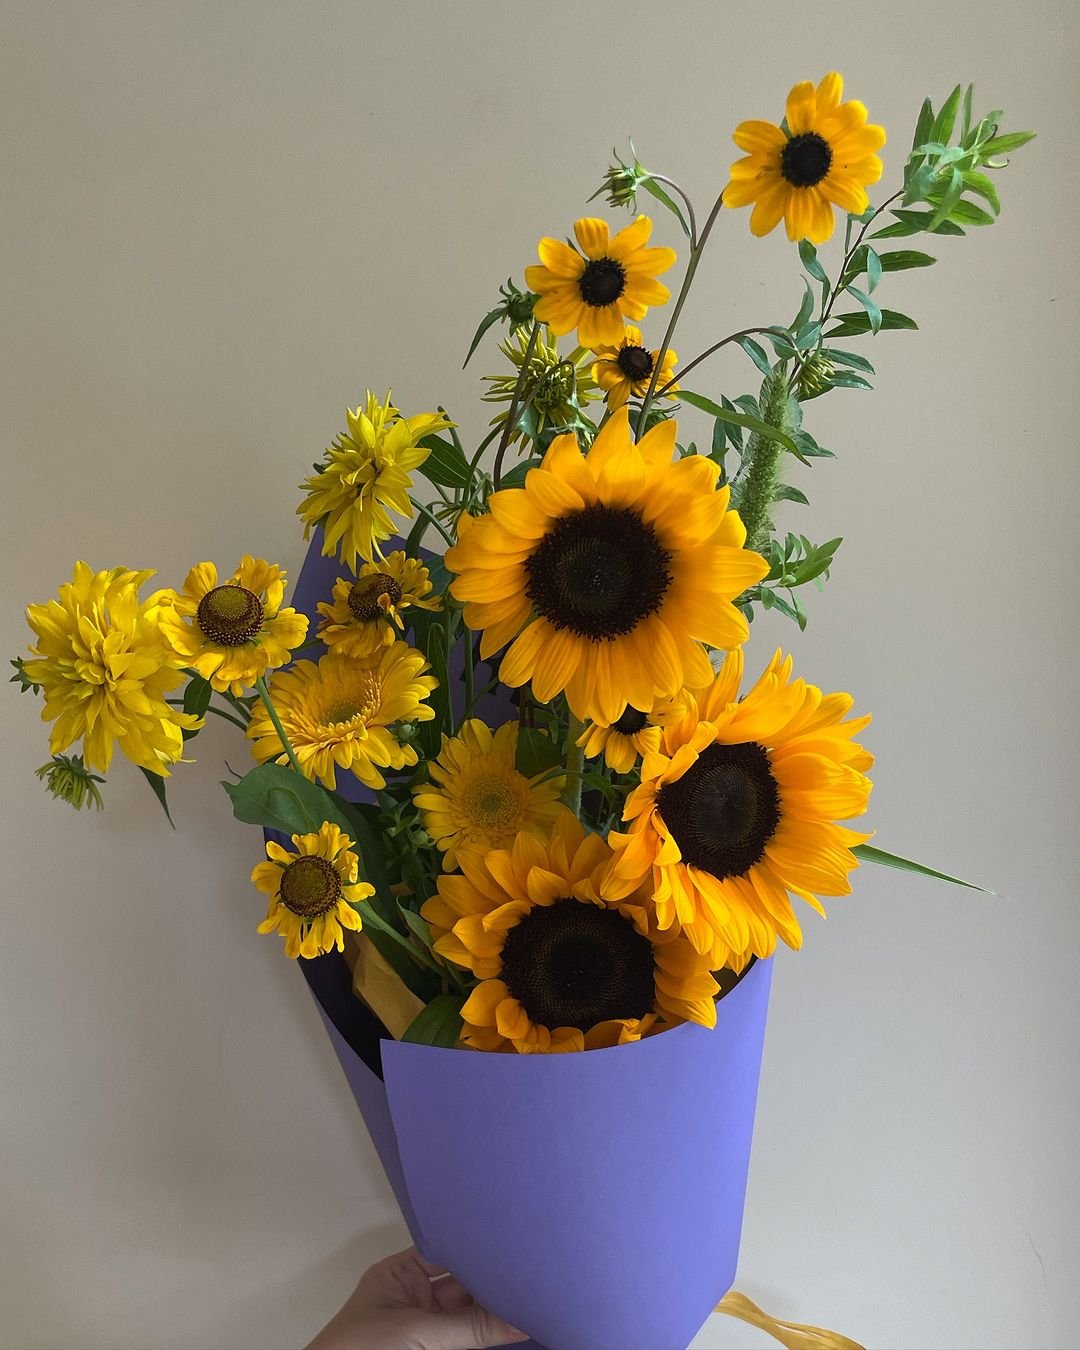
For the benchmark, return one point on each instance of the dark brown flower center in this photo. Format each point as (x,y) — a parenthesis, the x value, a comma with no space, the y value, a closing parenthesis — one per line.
(573,964)
(636,363)
(310,887)
(724,809)
(602,282)
(366,592)
(599,572)
(805,160)
(230,615)
(631,722)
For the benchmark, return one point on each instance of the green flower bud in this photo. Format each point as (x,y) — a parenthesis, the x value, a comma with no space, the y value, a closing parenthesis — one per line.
(815,377)
(621,181)
(67,777)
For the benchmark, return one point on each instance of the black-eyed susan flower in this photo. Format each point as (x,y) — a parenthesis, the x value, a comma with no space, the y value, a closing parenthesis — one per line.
(555,387)
(593,290)
(365,476)
(608,571)
(477,798)
(627,367)
(313,891)
(340,713)
(365,614)
(562,965)
(635,734)
(105,670)
(232,633)
(738,811)
(823,157)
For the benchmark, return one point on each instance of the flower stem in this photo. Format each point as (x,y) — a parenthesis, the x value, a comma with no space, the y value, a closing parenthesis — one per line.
(432,519)
(371,918)
(268,704)
(671,183)
(511,416)
(731,337)
(575,759)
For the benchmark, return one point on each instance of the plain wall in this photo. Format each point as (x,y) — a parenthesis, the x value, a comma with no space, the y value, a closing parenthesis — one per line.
(221,223)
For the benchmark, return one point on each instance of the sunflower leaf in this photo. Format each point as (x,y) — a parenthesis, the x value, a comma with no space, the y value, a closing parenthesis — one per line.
(439,1023)
(536,752)
(739,419)
(446,464)
(654,189)
(867,853)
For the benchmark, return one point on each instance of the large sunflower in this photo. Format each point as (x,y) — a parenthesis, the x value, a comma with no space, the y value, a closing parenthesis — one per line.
(365,476)
(562,966)
(823,157)
(339,714)
(363,614)
(234,632)
(626,368)
(312,891)
(105,671)
(477,798)
(739,808)
(609,570)
(609,278)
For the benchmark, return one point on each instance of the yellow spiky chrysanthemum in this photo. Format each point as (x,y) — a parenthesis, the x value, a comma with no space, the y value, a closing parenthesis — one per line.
(105,669)
(562,965)
(363,615)
(313,891)
(739,808)
(365,476)
(626,368)
(339,713)
(825,158)
(232,633)
(477,798)
(609,571)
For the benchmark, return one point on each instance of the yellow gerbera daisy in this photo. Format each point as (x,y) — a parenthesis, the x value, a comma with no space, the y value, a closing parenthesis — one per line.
(338,713)
(366,475)
(105,671)
(234,632)
(626,368)
(364,613)
(477,798)
(312,891)
(636,733)
(824,157)
(562,965)
(593,289)
(738,809)
(609,570)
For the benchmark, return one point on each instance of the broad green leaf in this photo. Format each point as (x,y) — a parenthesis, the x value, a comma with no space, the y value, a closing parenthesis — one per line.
(808,336)
(850,324)
(867,853)
(446,465)
(438,1024)
(756,353)
(655,190)
(536,752)
(808,255)
(984,186)
(516,476)
(739,419)
(158,784)
(197,698)
(786,493)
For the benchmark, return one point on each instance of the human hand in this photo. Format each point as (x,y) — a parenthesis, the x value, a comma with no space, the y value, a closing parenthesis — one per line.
(406,1303)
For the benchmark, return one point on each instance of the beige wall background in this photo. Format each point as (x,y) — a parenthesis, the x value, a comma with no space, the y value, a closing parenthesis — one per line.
(220,224)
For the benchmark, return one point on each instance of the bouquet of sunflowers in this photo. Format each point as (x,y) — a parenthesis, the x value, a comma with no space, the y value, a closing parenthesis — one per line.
(522,792)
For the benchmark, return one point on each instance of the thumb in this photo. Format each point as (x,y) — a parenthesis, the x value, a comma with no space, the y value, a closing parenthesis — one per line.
(471,1328)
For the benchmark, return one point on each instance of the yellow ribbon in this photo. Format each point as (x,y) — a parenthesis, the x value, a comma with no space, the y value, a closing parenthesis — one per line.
(793,1335)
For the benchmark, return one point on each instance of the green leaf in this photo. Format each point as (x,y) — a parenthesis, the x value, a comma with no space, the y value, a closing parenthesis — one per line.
(902,259)
(808,336)
(446,465)
(786,493)
(536,752)
(847,379)
(970,214)
(923,125)
(158,784)
(805,309)
(873,311)
(808,255)
(965,114)
(738,419)
(438,1024)
(808,448)
(974,181)
(197,697)
(416,924)
(873,269)
(842,358)
(850,324)
(655,190)
(913,222)
(492,316)
(946,119)
(949,200)
(281,799)
(1001,145)
(819,560)
(435,649)
(867,853)
(756,353)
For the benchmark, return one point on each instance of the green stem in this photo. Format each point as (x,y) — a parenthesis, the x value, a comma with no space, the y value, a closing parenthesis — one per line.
(218,712)
(371,918)
(268,704)
(731,337)
(511,416)
(432,519)
(575,760)
(470,674)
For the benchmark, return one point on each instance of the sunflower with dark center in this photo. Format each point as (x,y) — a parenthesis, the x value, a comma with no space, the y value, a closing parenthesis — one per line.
(233,632)
(626,368)
(561,966)
(365,615)
(738,809)
(825,158)
(313,891)
(592,290)
(607,572)
(633,735)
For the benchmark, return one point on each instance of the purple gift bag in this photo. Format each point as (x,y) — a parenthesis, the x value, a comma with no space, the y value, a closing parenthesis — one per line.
(595,1200)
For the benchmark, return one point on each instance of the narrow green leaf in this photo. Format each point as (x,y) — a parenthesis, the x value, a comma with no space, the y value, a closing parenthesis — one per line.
(867,853)
(492,316)
(949,200)
(902,259)
(808,255)
(842,358)
(850,324)
(984,186)
(739,419)
(1012,140)
(438,1024)
(805,309)
(808,448)
(946,119)
(655,190)
(873,310)
(158,784)
(197,697)
(756,353)
(873,269)
(786,493)
(847,379)
(923,125)
(965,113)
(415,924)
(970,214)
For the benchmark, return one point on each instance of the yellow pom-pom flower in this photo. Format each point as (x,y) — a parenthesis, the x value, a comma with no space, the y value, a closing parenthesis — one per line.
(739,808)
(609,571)
(477,798)
(313,891)
(233,632)
(105,671)
(363,614)
(339,714)
(563,966)
(365,476)
(593,289)
(825,157)
(627,367)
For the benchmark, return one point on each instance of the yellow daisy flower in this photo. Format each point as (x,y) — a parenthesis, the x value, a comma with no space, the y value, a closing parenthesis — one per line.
(234,632)
(366,475)
(636,733)
(824,158)
(593,289)
(738,809)
(609,570)
(338,713)
(363,614)
(105,670)
(312,890)
(562,965)
(626,368)
(477,798)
